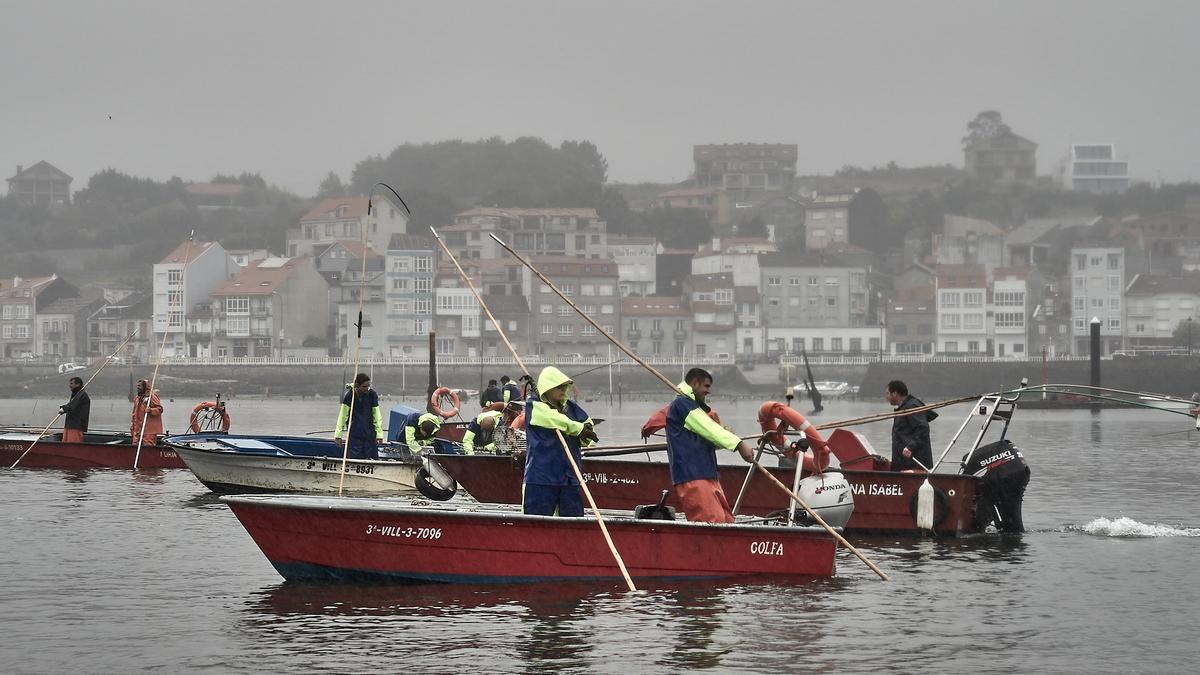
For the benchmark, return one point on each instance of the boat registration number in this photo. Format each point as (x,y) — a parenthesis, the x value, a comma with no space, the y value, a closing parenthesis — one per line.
(365,469)
(613,478)
(404,532)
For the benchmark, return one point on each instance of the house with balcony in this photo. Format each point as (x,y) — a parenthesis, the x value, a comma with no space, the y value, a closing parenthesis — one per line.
(1013,300)
(346,218)
(592,286)
(61,328)
(746,171)
(266,309)
(714,320)
(812,305)
(1097,291)
(1095,168)
(962,310)
(21,301)
(131,317)
(183,278)
(411,265)
(827,221)
(1003,158)
(636,264)
(577,233)
(42,184)
(656,326)
(1155,306)
(457,317)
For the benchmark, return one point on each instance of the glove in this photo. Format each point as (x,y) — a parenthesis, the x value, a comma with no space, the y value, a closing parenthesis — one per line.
(588,434)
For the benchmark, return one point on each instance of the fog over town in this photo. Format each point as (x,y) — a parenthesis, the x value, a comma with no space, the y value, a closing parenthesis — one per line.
(718,183)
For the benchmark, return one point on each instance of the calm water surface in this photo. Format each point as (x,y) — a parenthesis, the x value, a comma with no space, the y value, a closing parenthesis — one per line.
(117,571)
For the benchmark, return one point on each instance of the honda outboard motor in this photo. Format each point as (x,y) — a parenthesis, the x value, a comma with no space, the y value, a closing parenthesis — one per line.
(829,495)
(1003,476)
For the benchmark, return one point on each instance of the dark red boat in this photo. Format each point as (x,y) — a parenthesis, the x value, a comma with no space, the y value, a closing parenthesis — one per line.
(97,451)
(352,539)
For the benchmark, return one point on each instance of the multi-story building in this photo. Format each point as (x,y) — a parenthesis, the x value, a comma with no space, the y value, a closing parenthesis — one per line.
(1011,309)
(1004,158)
(266,309)
(1097,291)
(184,277)
(748,171)
(40,185)
(513,315)
(342,266)
(457,315)
(656,326)
(712,203)
(714,320)
(636,264)
(808,305)
(1050,321)
(1095,167)
(962,310)
(578,233)
(911,324)
(592,284)
(129,317)
(750,321)
(408,291)
(61,327)
(672,269)
(970,241)
(827,221)
(345,218)
(736,256)
(1156,305)
(1169,240)
(20,303)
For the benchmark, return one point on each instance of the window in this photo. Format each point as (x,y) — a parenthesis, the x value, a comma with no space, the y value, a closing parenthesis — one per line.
(835,344)
(565,329)
(1114,303)
(951,322)
(831,281)
(1114,261)
(606,309)
(1080,284)
(587,289)
(423,284)
(773,302)
(972,321)
(951,347)
(238,326)
(604,289)
(793,281)
(723,296)
(1010,320)
(546,328)
(400,284)
(568,289)
(873,344)
(951,299)
(588,330)
(1080,303)
(543,288)
(856,345)
(424,263)
(831,302)
(420,326)
(174,298)
(973,346)
(422,306)
(818,344)
(400,306)
(174,277)
(237,305)
(813,281)
(402,264)
(773,280)
(547,309)
(973,299)
(564,310)
(1114,324)
(6,312)
(1080,262)
(1009,298)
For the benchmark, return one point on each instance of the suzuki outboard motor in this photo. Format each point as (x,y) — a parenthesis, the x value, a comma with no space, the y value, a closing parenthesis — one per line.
(829,495)
(1003,476)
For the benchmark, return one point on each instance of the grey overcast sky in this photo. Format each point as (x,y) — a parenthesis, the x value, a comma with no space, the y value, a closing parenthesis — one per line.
(296,89)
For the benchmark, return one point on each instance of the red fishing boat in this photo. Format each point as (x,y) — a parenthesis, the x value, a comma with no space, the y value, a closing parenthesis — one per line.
(97,451)
(354,539)
(988,489)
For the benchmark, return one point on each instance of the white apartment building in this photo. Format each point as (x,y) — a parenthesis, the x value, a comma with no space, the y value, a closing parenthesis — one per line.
(183,279)
(1010,313)
(1095,167)
(345,218)
(1156,305)
(636,259)
(1097,289)
(962,310)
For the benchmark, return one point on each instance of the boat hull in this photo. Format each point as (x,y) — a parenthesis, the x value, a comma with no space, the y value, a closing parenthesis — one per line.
(234,473)
(884,502)
(344,539)
(51,453)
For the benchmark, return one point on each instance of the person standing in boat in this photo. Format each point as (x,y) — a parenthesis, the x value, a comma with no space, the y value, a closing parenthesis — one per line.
(77,410)
(146,424)
(910,433)
(481,432)
(364,424)
(509,390)
(490,395)
(550,486)
(692,441)
(419,430)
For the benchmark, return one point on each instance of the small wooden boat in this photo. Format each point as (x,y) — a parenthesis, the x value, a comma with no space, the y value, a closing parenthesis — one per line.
(99,450)
(355,539)
(229,464)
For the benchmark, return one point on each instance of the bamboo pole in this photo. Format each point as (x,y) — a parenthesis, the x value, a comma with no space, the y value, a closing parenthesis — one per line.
(104,365)
(667,382)
(570,458)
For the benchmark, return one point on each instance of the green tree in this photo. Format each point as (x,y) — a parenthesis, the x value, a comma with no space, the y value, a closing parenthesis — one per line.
(754,227)
(332,186)
(676,228)
(1185,334)
(867,220)
(987,124)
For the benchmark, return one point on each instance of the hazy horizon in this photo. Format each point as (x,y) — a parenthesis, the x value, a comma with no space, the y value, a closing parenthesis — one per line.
(295,90)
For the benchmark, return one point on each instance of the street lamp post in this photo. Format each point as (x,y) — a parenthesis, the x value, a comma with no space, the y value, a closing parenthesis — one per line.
(1189,336)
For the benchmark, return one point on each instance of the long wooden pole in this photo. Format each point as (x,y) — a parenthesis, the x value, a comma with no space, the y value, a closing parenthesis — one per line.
(570,458)
(661,377)
(104,365)
(191,242)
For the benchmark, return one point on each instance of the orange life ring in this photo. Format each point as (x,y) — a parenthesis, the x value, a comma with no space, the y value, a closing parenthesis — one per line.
(436,399)
(774,418)
(205,407)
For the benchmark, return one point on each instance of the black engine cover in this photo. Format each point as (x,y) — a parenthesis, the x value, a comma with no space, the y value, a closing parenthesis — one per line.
(1003,475)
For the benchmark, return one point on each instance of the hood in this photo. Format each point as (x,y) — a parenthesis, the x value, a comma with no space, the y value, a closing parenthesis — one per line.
(550,378)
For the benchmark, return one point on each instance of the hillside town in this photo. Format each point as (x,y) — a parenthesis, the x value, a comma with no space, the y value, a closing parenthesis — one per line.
(784,273)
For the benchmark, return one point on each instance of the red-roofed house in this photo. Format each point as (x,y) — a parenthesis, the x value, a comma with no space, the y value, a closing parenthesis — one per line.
(20,306)
(182,279)
(345,218)
(267,308)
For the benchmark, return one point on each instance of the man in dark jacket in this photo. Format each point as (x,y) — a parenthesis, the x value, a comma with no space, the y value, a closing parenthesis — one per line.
(692,442)
(490,395)
(512,393)
(910,433)
(364,424)
(77,410)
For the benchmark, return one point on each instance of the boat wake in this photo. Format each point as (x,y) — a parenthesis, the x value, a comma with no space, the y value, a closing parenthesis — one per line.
(1128,527)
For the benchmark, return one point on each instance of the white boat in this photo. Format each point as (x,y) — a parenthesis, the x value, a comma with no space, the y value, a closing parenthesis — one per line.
(247,464)
(827,389)
(1168,403)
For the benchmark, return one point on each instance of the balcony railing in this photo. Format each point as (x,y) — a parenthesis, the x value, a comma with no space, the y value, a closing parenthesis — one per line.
(656,335)
(633,334)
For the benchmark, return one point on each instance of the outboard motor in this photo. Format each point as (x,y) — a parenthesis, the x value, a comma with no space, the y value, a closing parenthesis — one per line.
(1003,475)
(829,495)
